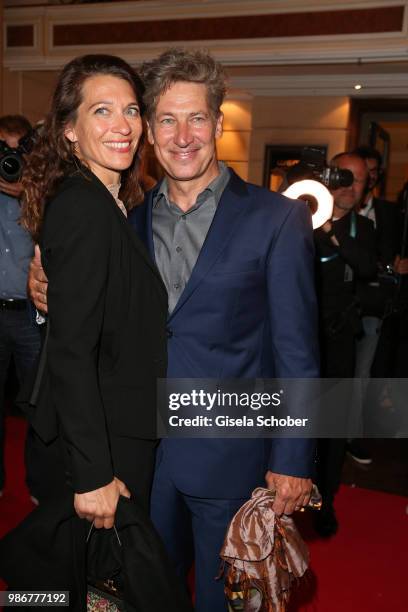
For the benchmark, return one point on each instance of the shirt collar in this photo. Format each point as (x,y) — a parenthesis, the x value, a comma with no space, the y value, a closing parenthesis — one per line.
(365,210)
(215,188)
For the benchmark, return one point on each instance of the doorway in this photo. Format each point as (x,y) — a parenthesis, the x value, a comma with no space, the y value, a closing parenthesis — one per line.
(384,124)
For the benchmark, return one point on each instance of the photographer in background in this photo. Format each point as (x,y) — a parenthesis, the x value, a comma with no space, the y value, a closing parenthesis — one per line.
(375,296)
(19,336)
(345,249)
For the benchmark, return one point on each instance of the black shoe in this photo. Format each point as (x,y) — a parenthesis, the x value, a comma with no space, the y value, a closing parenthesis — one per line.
(357,452)
(325,521)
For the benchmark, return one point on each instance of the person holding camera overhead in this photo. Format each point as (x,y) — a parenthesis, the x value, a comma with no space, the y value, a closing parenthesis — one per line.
(19,335)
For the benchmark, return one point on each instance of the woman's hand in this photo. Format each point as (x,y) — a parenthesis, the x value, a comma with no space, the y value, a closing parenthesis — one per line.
(99,506)
(37,282)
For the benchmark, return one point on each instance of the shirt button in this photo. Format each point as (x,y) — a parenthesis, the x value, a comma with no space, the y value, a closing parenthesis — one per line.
(184,217)
(176,286)
(7,250)
(178,249)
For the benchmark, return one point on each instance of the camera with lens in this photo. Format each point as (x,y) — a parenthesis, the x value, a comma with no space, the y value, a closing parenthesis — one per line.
(12,160)
(312,165)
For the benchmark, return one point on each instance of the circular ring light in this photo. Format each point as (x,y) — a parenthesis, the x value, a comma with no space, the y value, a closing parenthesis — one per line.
(320,193)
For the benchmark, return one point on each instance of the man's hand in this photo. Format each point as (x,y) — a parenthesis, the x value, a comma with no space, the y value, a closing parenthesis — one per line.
(327,227)
(37,282)
(292,493)
(99,506)
(12,189)
(401,265)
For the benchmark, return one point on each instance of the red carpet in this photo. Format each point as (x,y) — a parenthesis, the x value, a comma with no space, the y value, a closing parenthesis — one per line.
(364,568)
(15,503)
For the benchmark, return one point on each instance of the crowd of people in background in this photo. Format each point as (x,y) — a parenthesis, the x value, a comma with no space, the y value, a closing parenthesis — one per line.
(360,262)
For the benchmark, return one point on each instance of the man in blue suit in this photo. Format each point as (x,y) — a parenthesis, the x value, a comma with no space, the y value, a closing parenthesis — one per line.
(237,261)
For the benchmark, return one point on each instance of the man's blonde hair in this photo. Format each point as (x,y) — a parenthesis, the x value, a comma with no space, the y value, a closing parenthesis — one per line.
(183,65)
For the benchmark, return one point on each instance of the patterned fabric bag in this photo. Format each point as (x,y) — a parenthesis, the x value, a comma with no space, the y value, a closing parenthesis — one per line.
(263,555)
(104,599)
(104,563)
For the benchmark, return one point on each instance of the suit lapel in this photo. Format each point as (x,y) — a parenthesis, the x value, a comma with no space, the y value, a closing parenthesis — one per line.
(140,247)
(149,222)
(230,208)
(134,238)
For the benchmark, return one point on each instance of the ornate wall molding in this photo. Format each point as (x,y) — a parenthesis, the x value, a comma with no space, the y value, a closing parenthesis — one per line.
(239,33)
(24,36)
(373,85)
(202,8)
(285,25)
(20,36)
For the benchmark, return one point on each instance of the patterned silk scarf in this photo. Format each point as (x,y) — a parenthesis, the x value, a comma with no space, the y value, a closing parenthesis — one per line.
(263,554)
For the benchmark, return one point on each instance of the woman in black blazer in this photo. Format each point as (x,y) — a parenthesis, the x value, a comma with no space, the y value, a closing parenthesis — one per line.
(106,302)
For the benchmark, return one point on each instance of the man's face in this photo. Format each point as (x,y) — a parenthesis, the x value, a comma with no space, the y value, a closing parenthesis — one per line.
(373,172)
(10,139)
(183,132)
(346,198)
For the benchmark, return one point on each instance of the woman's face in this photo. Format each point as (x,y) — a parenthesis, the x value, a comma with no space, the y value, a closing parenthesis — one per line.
(108,127)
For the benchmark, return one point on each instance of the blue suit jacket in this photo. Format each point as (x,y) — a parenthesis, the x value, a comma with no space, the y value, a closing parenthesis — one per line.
(248,310)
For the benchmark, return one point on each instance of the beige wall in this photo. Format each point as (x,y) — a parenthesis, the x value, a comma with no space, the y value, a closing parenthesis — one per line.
(301,120)
(28,92)
(234,146)
(249,125)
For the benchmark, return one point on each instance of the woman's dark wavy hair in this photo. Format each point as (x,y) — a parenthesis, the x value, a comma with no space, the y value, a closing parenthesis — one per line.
(52,157)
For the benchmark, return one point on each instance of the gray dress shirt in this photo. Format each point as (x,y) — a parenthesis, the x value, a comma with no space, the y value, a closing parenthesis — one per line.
(178,236)
(16,250)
